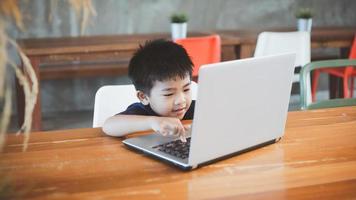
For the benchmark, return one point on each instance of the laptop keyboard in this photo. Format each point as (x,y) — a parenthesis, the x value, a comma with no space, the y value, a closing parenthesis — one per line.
(175,148)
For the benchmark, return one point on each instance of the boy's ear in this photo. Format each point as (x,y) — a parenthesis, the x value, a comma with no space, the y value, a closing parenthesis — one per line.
(142,97)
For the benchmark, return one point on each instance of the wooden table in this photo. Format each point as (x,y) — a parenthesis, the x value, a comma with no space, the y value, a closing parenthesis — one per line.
(321,37)
(316,160)
(109,55)
(69,57)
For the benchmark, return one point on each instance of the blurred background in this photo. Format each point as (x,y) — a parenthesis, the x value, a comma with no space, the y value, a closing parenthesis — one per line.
(68,103)
(55,18)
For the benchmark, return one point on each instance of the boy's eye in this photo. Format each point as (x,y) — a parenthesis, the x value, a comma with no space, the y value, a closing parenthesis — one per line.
(167,95)
(186,90)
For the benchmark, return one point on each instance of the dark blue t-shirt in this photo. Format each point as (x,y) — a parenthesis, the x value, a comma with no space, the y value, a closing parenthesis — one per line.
(140,109)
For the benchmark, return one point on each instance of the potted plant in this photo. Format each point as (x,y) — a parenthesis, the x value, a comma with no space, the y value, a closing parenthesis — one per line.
(304,16)
(179,26)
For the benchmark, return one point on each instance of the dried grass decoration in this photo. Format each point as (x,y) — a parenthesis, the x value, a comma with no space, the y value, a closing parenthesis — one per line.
(9,10)
(27,79)
(83,9)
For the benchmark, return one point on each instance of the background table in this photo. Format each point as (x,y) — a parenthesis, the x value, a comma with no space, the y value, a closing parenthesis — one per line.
(316,159)
(73,57)
(321,37)
(109,55)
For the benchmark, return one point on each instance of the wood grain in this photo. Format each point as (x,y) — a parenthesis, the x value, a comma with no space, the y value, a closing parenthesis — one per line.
(315,159)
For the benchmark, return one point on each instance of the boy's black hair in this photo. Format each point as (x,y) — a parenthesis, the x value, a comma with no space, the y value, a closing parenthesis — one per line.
(158,60)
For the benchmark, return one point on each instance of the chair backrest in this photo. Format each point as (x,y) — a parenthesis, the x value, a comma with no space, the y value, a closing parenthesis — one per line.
(306,103)
(351,69)
(270,43)
(202,50)
(112,99)
(353,49)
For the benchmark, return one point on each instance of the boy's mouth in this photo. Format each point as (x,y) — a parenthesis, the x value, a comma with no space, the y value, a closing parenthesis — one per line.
(179,110)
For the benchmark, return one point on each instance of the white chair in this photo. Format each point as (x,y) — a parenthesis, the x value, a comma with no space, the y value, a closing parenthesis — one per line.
(270,43)
(112,99)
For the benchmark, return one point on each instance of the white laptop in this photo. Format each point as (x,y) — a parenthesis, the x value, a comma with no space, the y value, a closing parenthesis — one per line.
(241,105)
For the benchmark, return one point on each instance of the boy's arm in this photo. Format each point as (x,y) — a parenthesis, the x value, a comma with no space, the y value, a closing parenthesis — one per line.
(120,125)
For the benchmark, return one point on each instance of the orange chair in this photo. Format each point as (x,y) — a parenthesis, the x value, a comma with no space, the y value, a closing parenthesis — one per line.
(346,73)
(202,50)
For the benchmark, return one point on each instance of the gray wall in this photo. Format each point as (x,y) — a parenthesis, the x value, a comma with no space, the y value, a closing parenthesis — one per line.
(147,16)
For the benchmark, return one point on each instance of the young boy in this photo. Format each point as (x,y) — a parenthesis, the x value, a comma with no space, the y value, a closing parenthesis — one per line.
(161,72)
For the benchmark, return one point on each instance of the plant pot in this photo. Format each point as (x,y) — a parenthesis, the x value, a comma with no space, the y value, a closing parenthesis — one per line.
(178,30)
(305,24)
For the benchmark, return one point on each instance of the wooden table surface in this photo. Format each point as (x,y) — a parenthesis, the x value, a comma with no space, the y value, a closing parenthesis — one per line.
(99,43)
(315,159)
(321,37)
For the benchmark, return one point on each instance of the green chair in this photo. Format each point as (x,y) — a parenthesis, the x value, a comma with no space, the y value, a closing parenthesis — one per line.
(305,93)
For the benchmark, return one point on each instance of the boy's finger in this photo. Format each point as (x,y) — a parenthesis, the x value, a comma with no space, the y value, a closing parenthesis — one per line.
(182,138)
(164,133)
(173,131)
(182,135)
(176,131)
(181,129)
(187,127)
(188,130)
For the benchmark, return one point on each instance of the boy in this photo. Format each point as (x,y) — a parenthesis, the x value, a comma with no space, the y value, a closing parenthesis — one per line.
(161,72)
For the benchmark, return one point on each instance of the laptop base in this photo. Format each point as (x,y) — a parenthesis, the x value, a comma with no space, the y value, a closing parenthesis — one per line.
(188,168)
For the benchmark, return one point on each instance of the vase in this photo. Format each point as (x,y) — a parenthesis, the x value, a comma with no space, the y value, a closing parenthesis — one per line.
(305,24)
(178,30)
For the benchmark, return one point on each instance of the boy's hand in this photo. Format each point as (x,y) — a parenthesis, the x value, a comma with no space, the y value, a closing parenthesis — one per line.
(168,126)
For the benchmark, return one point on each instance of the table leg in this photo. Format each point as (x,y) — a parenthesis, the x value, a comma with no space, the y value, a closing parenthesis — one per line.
(246,51)
(228,53)
(335,83)
(335,87)
(36,115)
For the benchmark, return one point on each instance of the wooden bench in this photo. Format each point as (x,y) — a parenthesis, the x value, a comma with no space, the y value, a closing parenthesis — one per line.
(83,69)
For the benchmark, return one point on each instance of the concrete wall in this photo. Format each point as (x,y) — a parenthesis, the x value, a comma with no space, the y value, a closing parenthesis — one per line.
(146,16)
(55,18)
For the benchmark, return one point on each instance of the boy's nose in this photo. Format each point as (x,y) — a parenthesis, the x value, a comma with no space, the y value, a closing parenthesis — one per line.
(180,99)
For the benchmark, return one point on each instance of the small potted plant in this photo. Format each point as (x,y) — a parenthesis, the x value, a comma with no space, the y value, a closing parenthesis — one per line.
(179,26)
(304,16)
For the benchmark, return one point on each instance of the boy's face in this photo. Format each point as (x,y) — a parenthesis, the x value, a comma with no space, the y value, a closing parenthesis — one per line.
(171,98)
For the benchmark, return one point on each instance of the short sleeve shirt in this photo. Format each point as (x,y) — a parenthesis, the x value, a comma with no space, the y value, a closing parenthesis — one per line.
(140,109)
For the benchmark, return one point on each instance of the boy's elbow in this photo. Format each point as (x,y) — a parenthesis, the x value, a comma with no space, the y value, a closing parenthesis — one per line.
(108,129)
